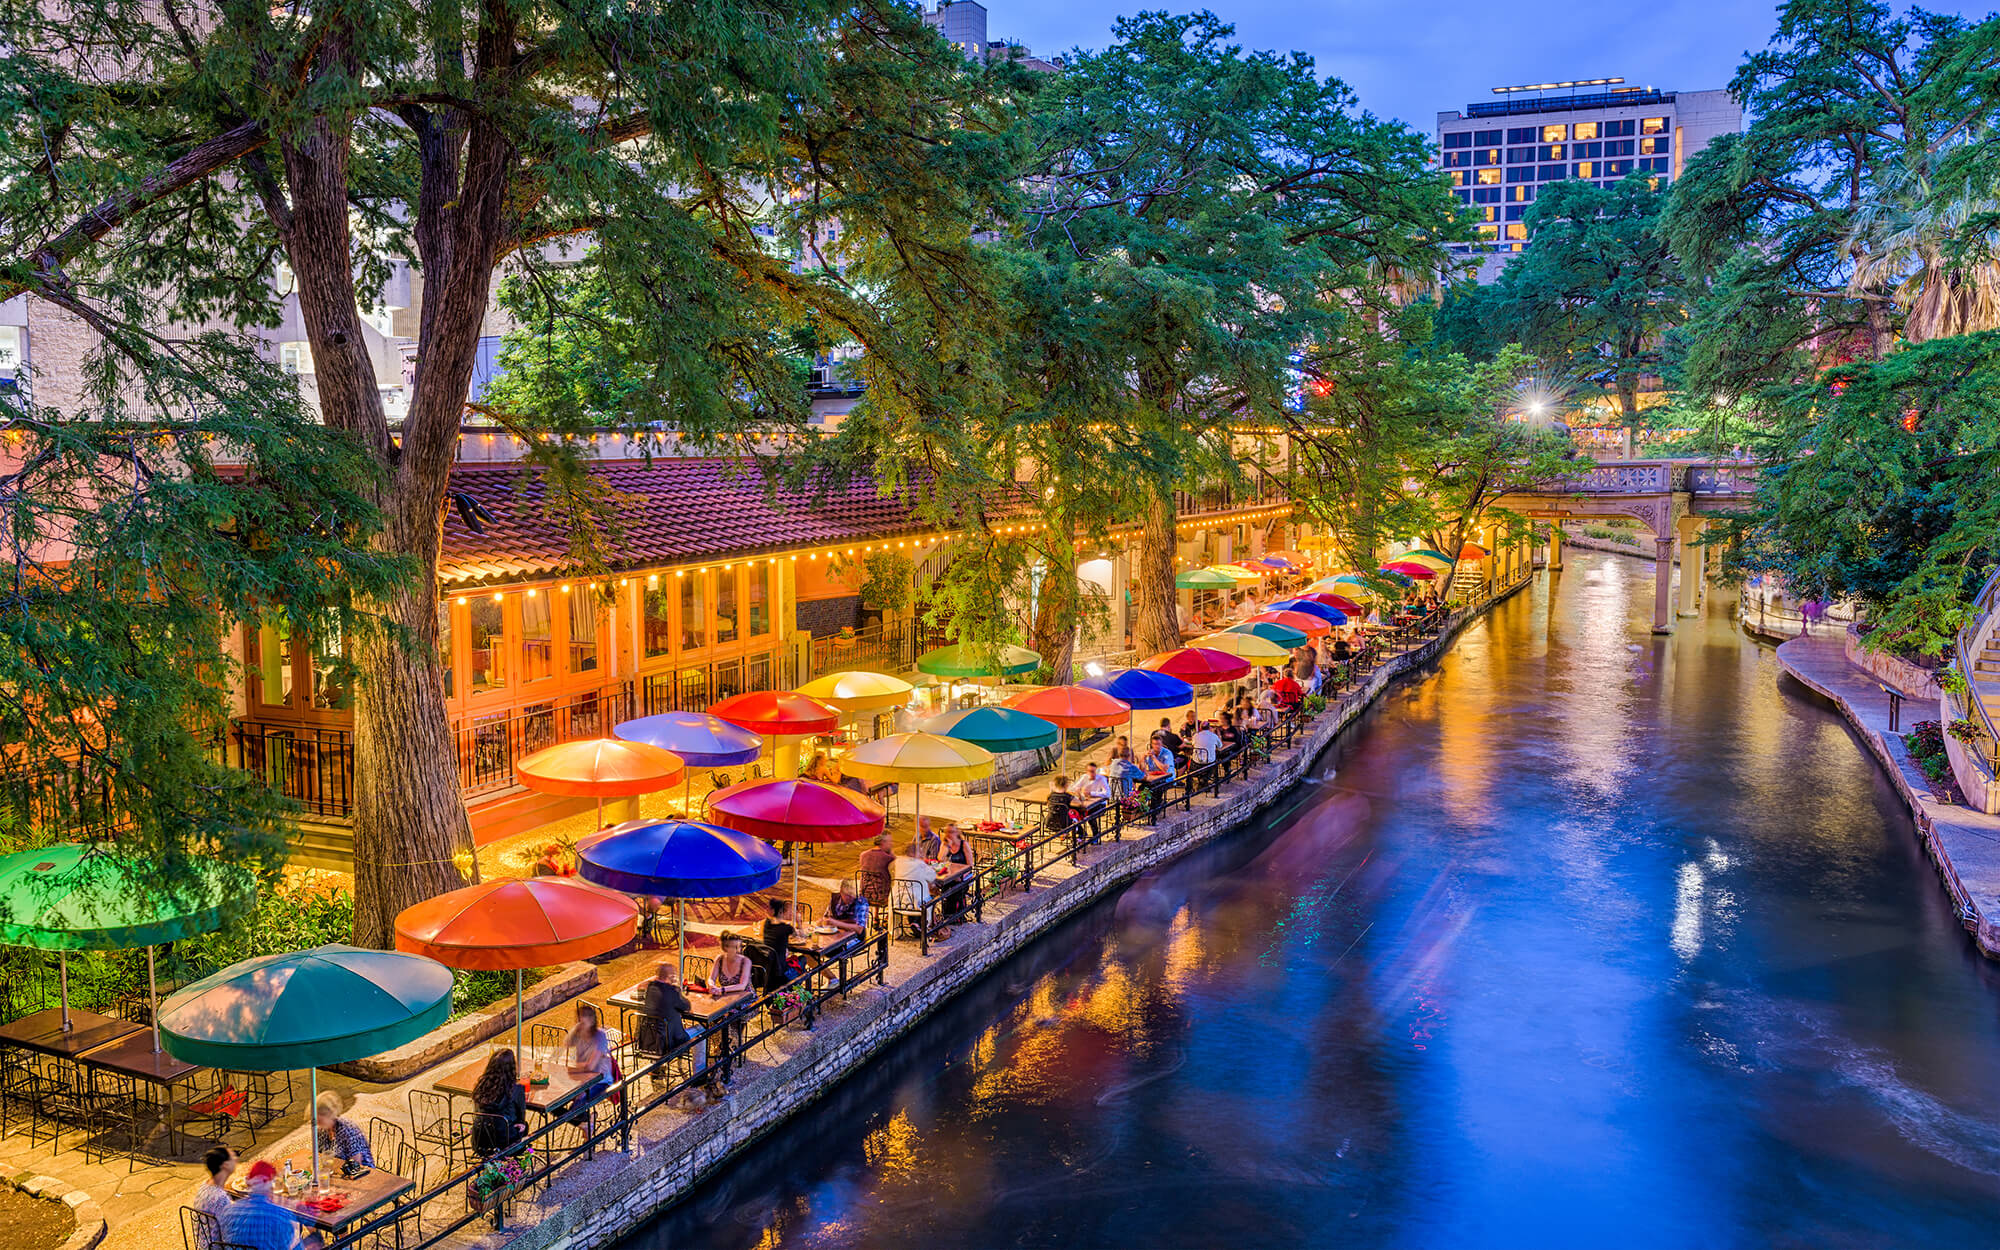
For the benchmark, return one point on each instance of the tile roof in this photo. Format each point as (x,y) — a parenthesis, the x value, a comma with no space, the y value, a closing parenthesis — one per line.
(668,510)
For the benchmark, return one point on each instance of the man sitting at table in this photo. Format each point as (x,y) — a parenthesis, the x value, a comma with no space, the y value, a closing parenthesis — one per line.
(1206,744)
(874,868)
(1092,790)
(1057,815)
(663,1031)
(1287,692)
(847,911)
(255,1221)
(212,1195)
(340,1136)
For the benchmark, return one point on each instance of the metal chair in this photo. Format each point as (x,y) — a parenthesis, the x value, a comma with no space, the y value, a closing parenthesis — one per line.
(908,902)
(199,1229)
(386,1139)
(430,1118)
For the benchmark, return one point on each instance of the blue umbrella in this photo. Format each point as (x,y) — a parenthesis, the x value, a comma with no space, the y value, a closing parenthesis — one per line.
(1143,688)
(1332,616)
(701,740)
(679,859)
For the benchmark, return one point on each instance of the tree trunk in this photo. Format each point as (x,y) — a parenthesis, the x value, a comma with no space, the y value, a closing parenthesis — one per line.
(1157,628)
(1056,613)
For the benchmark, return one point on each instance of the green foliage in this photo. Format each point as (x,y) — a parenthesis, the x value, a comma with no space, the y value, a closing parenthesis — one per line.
(1925,743)
(887,585)
(288,917)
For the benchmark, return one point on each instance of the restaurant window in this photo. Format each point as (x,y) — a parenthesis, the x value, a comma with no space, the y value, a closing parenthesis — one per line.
(444,650)
(656,624)
(694,612)
(274,663)
(538,637)
(583,632)
(487,633)
(1652,125)
(1585,130)
(329,664)
(725,606)
(1554,134)
(758,594)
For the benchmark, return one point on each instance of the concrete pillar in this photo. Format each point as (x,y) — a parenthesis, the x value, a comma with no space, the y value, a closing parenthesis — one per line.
(1693,565)
(1555,546)
(1663,584)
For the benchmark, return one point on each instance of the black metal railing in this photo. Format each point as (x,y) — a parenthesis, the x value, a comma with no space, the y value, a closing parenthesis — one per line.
(891,647)
(313,765)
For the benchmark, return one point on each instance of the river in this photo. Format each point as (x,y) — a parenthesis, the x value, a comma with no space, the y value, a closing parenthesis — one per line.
(1587,937)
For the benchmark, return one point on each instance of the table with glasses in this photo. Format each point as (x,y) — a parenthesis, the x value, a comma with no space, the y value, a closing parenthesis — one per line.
(368,1192)
(544,1098)
(703,1009)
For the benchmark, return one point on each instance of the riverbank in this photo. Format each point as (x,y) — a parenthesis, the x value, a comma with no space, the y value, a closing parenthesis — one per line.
(593,1202)
(1962,843)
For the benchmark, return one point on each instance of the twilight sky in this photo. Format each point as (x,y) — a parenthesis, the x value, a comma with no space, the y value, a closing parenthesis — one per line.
(1410,58)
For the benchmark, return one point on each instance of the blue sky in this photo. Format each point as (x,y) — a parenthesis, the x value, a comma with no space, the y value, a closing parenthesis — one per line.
(1410,58)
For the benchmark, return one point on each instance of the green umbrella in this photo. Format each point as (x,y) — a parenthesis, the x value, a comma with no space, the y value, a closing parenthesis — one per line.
(1435,555)
(998,729)
(330,1004)
(1205,579)
(965,660)
(78,897)
(1271,631)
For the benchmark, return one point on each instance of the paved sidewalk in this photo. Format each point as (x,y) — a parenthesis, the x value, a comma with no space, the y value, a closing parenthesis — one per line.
(1963,843)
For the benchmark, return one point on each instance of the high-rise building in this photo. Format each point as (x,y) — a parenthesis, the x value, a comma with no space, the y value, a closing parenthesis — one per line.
(1499,153)
(962,23)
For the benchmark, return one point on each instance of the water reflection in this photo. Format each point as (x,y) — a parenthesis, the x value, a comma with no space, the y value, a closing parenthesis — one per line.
(1588,936)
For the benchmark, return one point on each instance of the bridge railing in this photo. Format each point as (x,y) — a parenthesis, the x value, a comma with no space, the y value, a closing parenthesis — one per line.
(1652,477)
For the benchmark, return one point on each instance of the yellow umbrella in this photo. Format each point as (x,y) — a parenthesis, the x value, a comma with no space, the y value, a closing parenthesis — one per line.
(918,758)
(858,692)
(1261,652)
(1345,584)
(1239,574)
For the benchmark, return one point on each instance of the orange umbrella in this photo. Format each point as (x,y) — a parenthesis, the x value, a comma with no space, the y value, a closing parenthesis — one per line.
(517,923)
(1072,707)
(777,713)
(599,768)
(1472,551)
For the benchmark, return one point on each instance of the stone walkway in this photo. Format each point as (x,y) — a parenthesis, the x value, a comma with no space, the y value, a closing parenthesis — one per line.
(1963,843)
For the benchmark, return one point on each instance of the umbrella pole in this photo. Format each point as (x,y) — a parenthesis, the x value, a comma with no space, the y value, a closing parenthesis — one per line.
(312,1124)
(518,1052)
(681,937)
(62,983)
(153,994)
(795,883)
(600,812)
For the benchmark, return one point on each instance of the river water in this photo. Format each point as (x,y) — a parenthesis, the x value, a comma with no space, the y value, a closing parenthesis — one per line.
(1586,938)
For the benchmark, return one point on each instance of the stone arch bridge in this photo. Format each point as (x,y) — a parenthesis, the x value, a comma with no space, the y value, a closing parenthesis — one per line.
(1673,498)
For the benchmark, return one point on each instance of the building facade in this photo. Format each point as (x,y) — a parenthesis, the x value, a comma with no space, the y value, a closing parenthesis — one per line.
(1498,154)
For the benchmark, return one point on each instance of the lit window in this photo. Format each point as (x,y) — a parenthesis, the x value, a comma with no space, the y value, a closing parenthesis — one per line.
(583,631)
(1554,134)
(538,639)
(274,663)
(1517,230)
(1650,147)
(489,644)
(758,594)
(694,615)
(1521,195)
(1492,214)
(1489,232)
(1457,177)
(1492,157)
(656,626)
(328,654)
(1489,177)
(725,606)
(1652,125)
(1585,169)
(1585,130)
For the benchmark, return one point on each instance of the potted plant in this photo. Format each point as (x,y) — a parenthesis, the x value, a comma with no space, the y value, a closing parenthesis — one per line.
(792,1005)
(493,1184)
(1965,729)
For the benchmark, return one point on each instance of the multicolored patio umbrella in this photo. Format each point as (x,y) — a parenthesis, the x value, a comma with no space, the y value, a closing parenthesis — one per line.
(76,896)
(517,923)
(1410,569)
(1244,574)
(1198,665)
(599,768)
(920,759)
(1204,579)
(1348,585)
(1472,551)
(701,740)
(858,692)
(680,860)
(1311,624)
(1339,603)
(1270,631)
(797,810)
(1142,689)
(1260,652)
(965,660)
(779,715)
(1313,607)
(1001,730)
(305,1009)
(1430,553)
(1072,707)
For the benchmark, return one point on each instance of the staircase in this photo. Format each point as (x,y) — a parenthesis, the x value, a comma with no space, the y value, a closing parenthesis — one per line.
(1978,657)
(1468,578)
(1985,676)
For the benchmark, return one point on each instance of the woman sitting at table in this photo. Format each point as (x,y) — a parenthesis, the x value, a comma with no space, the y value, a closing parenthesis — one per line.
(1058,814)
(778,931)
(502,1105)
(339,1136)
(925,843)
(589,1057)
(1121,768)
(732,967)
(955,849)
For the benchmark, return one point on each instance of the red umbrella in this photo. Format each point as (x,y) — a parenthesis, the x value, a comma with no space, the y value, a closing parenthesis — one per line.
(517,923)
(599,768)
(1411,569)
(1199,666)
(777,713)
(797,810)
(1339,603)
(1305,622)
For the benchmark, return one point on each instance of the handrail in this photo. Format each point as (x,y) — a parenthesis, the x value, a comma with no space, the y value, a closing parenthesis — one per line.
(1982,625)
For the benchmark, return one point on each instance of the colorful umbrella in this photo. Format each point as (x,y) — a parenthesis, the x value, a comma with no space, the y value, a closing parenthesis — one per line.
(1431,553)
(599,768)
(777,713)
(918,758)
(1411,569)
(701,740)
(516,923)
(1437,564)
(1198,665)
(797,810)
(1339,603)
(1275,562)
(858,692)
(1243,574)
(1349,585)
(1311,624)
(1271,631)
(331,1004)
(1204,579)
(1001,730)
(1072,707)
(1260,652)
(1311,607)
(90,897)
(1472,551)
(1142,688)
(969,661)
(680,860)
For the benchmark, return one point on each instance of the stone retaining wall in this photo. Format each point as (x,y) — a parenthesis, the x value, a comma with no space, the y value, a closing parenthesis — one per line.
(1918,683)
(660,1174)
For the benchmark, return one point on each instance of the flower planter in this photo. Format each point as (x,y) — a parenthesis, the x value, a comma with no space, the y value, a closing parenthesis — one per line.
(483,1202)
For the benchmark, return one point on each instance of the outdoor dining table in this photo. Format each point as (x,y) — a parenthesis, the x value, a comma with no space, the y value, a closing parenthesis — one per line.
(375,1188)
(702,1009)
(43,1033)
(543,1098)
(133,1056)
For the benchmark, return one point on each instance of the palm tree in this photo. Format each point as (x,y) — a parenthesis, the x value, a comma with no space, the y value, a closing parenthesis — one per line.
(1936,254)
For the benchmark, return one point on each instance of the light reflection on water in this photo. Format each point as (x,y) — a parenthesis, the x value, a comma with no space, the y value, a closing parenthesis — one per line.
(1588,937)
